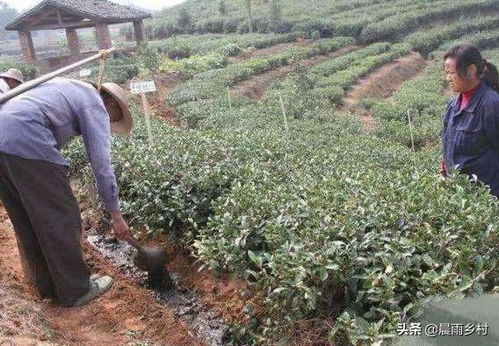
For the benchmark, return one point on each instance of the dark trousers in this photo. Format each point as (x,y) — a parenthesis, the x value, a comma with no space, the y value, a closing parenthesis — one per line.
(46,218)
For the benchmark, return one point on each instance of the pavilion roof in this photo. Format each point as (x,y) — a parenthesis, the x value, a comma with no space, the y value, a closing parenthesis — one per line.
(57,14)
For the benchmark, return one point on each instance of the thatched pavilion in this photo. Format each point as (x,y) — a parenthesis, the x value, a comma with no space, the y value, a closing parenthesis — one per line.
(72,15)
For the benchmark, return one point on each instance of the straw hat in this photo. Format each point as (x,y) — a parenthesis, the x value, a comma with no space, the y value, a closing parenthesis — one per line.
(13,74)
(123,125)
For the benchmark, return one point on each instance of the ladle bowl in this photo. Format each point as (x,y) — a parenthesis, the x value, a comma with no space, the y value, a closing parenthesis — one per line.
(152,259)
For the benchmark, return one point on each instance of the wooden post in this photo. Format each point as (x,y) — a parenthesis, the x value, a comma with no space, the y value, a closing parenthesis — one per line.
(73,44)
(27,46)
(140,33)
(103,36)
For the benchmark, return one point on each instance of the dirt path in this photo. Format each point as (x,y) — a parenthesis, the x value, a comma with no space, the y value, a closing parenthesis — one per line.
(382,83)
(126,315)
(256,86)
(386,80)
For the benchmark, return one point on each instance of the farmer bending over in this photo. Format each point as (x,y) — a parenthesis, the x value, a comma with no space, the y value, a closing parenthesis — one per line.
(470,135)
(34,183)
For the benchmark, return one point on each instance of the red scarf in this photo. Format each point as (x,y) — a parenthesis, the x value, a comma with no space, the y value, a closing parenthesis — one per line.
(466,97)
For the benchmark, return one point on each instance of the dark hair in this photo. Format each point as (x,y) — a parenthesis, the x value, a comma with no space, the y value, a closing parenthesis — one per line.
(466,55)
(490,76)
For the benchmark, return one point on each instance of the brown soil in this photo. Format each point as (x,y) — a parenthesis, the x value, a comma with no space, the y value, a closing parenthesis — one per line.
(161,110)
(382,83)
(256,86)
(165,82)
(368,122)
(127,314)
(312,332)
(270,50)
(386,80)
(22,322)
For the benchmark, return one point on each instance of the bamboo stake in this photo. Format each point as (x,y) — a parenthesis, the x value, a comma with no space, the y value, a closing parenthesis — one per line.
(145,106)
(42,79)
(284,114)
(410,129)
(102,65)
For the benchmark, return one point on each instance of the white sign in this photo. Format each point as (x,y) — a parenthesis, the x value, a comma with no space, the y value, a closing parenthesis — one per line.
(142,87)
(85,72)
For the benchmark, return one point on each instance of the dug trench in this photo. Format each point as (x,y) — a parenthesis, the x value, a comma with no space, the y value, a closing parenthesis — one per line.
(126,314)
(196,312)
(184,303)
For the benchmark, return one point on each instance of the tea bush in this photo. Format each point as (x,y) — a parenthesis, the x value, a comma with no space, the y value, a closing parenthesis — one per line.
(323,86)
(357,18)
(194,64)
(419,100)
(120,70)
(231,50)
(396,26)
(29,71)
(183,46)
(428,40)
(211,83)
(322,219)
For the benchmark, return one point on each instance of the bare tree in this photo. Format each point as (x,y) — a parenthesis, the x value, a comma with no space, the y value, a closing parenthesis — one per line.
(250,15)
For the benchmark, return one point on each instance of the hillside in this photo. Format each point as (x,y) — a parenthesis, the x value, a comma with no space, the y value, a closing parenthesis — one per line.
(358,18)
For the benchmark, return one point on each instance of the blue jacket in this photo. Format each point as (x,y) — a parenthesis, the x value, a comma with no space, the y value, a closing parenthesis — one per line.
(41,121)
(470,136)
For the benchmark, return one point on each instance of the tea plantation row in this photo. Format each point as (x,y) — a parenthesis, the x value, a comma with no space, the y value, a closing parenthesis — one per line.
(320,218)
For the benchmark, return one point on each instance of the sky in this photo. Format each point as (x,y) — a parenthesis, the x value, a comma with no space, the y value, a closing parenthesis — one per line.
(21,5)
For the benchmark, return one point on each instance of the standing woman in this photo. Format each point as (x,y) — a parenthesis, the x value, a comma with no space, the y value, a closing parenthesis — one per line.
(470,135)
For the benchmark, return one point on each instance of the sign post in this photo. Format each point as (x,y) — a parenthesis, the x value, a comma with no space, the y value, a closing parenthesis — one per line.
(139,87)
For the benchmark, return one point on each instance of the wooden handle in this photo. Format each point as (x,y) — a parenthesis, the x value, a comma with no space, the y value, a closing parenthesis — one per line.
(134,243)
(42,79)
